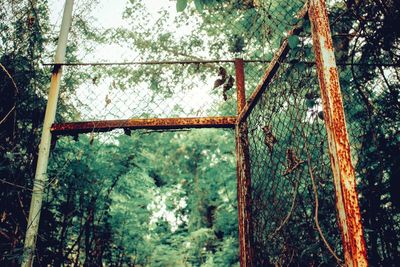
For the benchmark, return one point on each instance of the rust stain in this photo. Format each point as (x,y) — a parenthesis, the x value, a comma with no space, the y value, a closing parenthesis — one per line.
(349,217)
(244,194)
(56,70)
(243,173)
(240,84)
(73,128)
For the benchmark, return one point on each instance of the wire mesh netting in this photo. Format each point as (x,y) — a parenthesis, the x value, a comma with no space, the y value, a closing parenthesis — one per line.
(180,90)
(290,170)
(228,29)
(291,179)
(172,90)
(156,91)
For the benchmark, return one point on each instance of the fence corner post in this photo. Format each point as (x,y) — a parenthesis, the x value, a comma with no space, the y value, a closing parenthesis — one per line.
(349,217)
(243,172)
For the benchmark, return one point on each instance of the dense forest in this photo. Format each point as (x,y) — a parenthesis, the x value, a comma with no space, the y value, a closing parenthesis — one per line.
(150,198)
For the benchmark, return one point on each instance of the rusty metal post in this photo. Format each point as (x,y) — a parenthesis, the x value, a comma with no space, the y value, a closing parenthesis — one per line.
(243,172)
(338,142)
(44,147)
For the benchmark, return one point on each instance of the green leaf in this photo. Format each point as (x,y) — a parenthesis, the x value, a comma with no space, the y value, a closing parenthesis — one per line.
(181,5)
(199,5)
(294,21)
(293,41)
(310,103)
(309,53)
(301,66)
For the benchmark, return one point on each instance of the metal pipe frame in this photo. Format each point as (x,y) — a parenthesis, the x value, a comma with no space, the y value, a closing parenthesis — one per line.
(339,148)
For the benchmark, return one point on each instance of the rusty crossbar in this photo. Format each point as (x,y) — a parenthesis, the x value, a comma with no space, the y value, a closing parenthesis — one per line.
(73,128)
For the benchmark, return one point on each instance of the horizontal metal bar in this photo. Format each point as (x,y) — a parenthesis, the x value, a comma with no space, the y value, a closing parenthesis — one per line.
(382,64)
(73,128)
(142,63)
(273,67)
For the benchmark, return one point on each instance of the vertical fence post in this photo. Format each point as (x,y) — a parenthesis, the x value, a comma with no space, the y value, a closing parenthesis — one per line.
(243,172)
(44,147)
(338,142)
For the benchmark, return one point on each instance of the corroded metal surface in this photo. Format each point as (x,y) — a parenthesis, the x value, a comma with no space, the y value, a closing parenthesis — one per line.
(240,84)
(243,172)
(244,194)
(339,148)
(272,68)
(73,128)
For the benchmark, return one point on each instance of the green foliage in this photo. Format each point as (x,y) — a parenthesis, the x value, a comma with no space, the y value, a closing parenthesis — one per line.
(22,86)
(181,5)
(199,5)
(293,41)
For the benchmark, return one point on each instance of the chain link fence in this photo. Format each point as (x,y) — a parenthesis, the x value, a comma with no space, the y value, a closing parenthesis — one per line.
(170,90)
(292,198)
(253,30)
(291,177)
(156,91)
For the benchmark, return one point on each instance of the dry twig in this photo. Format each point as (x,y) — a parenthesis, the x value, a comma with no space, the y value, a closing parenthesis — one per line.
(317,225)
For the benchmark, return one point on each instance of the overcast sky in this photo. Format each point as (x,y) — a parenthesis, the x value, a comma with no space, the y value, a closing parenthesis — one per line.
(109,15)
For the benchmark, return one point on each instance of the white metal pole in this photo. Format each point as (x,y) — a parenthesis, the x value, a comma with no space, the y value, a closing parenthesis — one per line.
(41,178)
